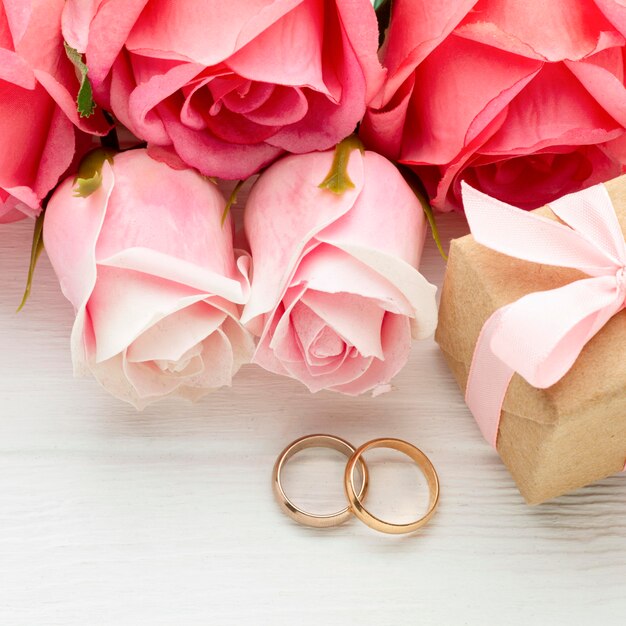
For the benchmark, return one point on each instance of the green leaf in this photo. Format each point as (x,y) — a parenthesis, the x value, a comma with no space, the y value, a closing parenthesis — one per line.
(35,253)
(430,216)
(89,177)
(84,101)
(232,200)
(337,180)
(378,3)
(414,184)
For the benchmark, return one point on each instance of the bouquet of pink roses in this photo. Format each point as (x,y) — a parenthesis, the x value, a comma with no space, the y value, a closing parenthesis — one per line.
(119,117)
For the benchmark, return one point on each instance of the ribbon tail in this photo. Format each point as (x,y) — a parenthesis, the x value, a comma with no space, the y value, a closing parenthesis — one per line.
(488,381)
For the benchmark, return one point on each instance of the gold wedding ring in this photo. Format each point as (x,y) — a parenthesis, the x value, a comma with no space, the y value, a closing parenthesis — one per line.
(356,504)
(296,513)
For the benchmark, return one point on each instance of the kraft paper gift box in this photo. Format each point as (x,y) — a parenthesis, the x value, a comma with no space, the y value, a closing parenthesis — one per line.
(572,433)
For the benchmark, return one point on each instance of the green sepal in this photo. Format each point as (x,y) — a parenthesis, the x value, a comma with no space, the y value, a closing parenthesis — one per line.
(378,3)
(89,178)
(232,200)
(337,180)
(85,104)
(35,253)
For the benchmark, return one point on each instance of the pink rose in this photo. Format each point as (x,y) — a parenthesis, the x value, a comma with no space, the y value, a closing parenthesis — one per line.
(38,88)
(523,99)
(153,278)
(335,295)
(230,85)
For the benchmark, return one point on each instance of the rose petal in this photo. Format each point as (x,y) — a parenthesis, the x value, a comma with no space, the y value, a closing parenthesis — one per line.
(151,201)
(283,341)
(326,347)
(150,382)
(416,29)
(341,113)
(214,157)
(416,289)
(264,354)
(210,369)
(396,343)
(217,356)
(306,325)
(448,101)
(553,110)
(145,122)
(28,122)
(331,270)
(14,69)
(379,238)
(359,22)
(66,214)
(194,276)
(615,11)
(442,183)
(356,319)
(124,304)
(204,31)
(111,376)
(528,27)
(241,342)
(284,106)
(383,130)
(172,336)
(602,76)
(18,14)
(12,209)
(387,216)
(351,369)
(289,52)
(108,31)
(255,95)
(532,181)
(64,95)
(36,29)
(23,196)
(76,20)
(237,129)
(285,210)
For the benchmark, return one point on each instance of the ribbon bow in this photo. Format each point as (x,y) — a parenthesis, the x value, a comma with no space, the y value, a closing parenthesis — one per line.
(541,335)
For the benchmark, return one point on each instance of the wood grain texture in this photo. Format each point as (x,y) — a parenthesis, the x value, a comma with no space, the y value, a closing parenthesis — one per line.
(109,517)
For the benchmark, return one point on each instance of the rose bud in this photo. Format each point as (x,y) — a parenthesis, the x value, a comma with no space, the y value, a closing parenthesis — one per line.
(153,278)
(39,120)
(230,85)
(336,296)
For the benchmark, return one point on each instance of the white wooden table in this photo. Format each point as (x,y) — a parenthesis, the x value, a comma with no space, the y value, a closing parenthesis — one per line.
(166,517)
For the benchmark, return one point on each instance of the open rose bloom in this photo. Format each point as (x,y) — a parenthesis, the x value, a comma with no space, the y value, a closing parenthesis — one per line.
(154,280)
(230,85)
(38,117)
(523,99)
(336,297)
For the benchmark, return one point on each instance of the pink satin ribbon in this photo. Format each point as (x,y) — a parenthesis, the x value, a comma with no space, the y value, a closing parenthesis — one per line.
(541,335)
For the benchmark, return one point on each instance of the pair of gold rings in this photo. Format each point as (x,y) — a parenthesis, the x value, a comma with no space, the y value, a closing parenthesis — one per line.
(355,496)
